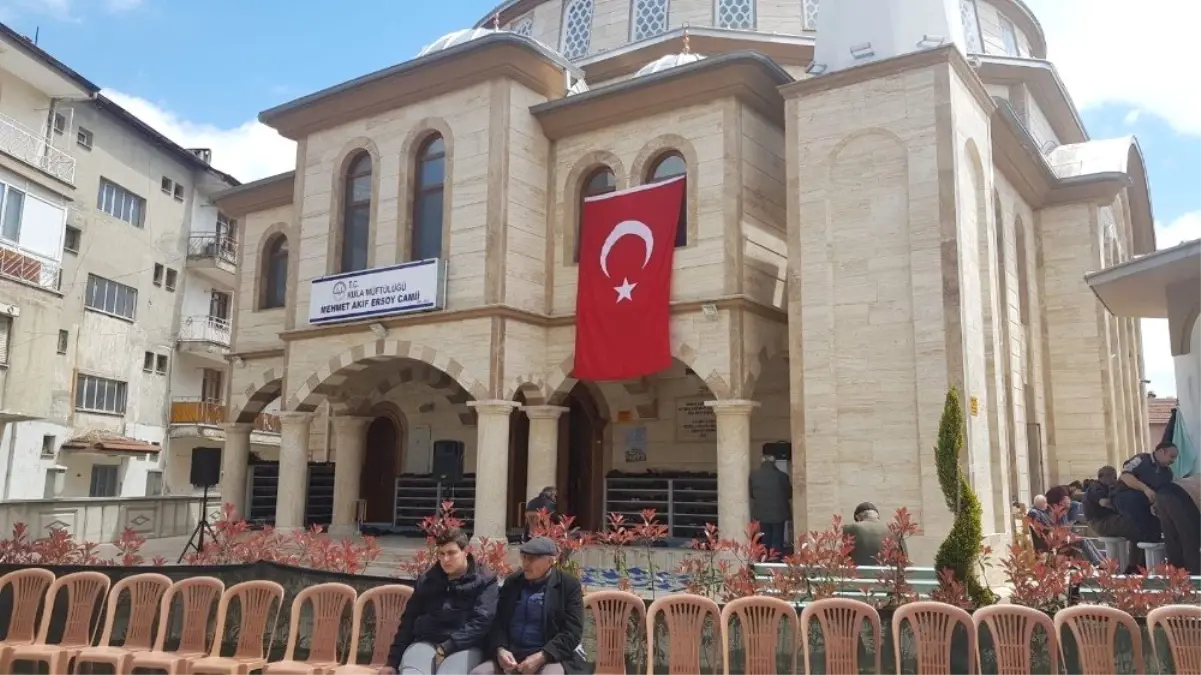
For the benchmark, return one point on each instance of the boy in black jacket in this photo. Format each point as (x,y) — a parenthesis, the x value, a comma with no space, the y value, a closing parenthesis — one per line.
(446,623)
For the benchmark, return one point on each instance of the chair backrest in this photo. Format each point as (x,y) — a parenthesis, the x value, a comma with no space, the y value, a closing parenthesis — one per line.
(933,626)
(197,596)
(1182,624)
(145,595)
(259,603)
(684,615)
(29,591)
(85,590)
(329,601)
(760,618)
(841,623)
(611,612)
(388,603)
(1011,628)
(1095,628)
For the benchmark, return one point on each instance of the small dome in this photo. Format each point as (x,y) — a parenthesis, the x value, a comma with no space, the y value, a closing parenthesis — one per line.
(670,61)
(455,39)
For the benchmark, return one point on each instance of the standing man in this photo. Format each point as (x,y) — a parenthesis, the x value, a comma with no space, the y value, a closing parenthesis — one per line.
(771,502)
(547,499)
(1143,475)
(868,533)
(539,618)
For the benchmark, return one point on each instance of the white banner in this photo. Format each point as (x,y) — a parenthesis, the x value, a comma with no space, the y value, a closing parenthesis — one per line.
(398,289)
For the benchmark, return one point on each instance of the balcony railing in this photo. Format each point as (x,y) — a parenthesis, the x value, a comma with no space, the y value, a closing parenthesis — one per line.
(31,148)
(213,246)
(212,413)
(212,329)
(21,266)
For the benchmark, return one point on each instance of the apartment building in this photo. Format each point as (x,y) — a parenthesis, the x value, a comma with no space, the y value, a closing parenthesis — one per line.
(116,272)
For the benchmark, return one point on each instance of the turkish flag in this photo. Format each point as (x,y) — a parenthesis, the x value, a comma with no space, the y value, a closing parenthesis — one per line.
(627,244)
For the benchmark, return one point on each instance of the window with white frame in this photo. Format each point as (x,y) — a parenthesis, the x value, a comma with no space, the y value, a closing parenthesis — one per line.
(523,26)
(971,26)
(110,297)
(1009,37)
(648,19)
(154,483)
(104,481)
(12,202)
(809,8)
(120,203)
(577,28)
(100,395)
(736,14)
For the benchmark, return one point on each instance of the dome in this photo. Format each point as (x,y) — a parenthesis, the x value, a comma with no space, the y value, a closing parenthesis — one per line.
(455,39)
(670,61)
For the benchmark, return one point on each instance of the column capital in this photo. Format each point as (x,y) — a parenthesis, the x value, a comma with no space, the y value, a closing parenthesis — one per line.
(544,412)
(237,428)
(732,407)
(351,423)
(295,417)
(499,407)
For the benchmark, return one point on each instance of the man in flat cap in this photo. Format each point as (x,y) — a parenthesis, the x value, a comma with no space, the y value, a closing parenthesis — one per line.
(539,617)
(869,533)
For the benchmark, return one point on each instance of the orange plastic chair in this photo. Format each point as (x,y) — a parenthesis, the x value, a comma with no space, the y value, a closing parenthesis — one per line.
(760,618)
(145,593)
(841,623)
(933,625)
(197,597)
(256,599)
(85,590)
(684,615)
(388,603)
(1182,624)
(611,612)
(28,591)
(1095,628)
(329,601)
(1012,630)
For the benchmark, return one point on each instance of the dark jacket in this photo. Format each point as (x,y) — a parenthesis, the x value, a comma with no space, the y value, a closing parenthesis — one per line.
(454,613)
(1093,510)
(868,537)
(771,494)
(562,620)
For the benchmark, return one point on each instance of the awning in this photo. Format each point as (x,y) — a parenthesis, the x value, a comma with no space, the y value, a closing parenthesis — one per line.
(104,441)
(1138,288)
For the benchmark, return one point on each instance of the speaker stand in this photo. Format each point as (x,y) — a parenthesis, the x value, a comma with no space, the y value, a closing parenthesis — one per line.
(196,541)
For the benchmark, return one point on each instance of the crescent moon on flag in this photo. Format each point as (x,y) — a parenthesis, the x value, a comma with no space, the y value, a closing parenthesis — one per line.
(626,228)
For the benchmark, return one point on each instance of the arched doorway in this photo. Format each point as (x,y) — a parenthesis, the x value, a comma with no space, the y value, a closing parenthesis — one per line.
(377,484)
(581,459)
(519,462)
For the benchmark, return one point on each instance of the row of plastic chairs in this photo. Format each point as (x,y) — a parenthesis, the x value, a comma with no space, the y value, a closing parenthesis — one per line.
(151,598)
(840,622)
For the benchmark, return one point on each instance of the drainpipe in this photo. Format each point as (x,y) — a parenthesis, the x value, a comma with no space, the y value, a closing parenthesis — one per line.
(8,462)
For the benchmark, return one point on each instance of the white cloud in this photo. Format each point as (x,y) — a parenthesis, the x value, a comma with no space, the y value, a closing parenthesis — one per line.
(1132,117)
(1185,228)
(248,151)
(116,6)
(1142,54)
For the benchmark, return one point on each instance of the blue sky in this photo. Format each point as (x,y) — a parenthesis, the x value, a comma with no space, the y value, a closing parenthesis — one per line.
(201,71)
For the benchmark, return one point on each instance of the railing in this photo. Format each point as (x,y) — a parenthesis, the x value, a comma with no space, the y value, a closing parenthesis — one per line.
(212,413)
(29,147)
(15,264)
(216,246)
(102,519)
(212,329)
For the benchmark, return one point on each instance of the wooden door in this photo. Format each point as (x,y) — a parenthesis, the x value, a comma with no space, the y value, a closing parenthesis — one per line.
(378,482)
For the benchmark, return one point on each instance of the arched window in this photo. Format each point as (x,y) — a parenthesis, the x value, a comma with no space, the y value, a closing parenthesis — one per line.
(670,165)
(428,185)
(736,14)
(356,214)
(600,181)
(275,273)
(577,29)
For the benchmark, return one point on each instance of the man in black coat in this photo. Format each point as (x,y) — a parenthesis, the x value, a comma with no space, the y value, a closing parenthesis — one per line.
(446,623)
(539,618)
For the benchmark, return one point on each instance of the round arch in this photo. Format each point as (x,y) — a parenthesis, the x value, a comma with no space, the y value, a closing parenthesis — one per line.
(346,155)
(412,143)
(654,150)
(260,250)
(267,387)
(569,197)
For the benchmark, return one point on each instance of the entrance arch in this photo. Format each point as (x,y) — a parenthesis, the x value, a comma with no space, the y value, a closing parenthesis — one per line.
(581,463)
(382,452)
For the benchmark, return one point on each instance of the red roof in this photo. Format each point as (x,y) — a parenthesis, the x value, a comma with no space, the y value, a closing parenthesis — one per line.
(104,441)
(1159,410)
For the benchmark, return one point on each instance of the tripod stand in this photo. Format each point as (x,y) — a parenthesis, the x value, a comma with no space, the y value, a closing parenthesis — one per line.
(196,541)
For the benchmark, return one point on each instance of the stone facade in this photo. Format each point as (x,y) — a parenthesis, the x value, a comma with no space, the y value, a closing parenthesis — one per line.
(857,243)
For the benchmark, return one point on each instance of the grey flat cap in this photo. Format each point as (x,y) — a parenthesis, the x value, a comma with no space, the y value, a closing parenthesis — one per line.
(539,546)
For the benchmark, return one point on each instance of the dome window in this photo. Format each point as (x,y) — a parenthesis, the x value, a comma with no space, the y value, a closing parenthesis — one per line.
(736,14)
(649,19)
(577,29)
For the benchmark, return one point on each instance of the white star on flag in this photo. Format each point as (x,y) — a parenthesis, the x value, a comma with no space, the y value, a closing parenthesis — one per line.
(624,290)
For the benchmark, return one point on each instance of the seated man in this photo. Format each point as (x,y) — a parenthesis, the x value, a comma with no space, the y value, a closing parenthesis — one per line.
(1059,504)
(446,622)
(1181,523)
(539,617)
(1142,476)
(868,533)
(1103,519)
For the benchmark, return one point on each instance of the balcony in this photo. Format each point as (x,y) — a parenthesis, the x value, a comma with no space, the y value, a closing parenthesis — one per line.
(207,337)
(215,257)
(195,417)
(20,266)
(31,148)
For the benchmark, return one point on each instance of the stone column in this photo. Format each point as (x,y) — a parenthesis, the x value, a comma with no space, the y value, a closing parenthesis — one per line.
(290,495)
(543,455)
(350,446)
(491,467)
(235,459)
(733,465)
